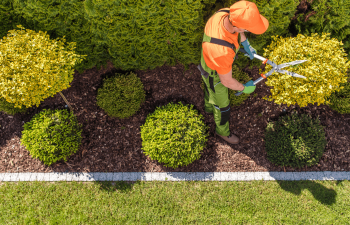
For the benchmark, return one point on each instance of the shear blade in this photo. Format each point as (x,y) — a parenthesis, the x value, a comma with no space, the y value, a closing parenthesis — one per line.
(290,63)
(290,73)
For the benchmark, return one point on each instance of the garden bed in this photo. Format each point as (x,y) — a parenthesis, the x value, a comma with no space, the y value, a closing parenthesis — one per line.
(114,145)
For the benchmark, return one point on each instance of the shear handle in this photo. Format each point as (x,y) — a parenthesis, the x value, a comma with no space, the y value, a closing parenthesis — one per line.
(255,55)
(255,82)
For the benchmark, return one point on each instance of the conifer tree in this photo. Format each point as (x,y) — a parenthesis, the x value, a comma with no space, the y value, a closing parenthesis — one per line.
(327,16)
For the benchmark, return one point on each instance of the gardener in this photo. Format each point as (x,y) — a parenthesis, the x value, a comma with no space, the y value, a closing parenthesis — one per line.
(219,49)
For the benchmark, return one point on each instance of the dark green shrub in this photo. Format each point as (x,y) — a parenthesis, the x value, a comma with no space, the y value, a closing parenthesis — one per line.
(11,16)
(174,135)
(52,135)
(340,100)
(9,108)
(157,33)
(69,23)
(243,78)
(121,96)
(295,141)
(326,17)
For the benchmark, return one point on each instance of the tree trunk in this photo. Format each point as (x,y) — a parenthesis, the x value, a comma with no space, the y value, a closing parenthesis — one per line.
(66,102)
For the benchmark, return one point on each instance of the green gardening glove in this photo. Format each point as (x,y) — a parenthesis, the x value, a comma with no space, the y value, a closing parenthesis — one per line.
(249,49)
(249,87)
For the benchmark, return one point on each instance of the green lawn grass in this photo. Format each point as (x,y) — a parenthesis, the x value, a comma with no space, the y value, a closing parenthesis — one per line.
(257,202)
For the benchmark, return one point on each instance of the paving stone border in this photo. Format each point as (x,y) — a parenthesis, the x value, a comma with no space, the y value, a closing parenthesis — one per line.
(174,176)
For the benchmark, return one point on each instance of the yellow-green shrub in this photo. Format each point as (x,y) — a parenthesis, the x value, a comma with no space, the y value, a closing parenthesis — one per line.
(174,135)
(33,67)
(325,69)
(52,135)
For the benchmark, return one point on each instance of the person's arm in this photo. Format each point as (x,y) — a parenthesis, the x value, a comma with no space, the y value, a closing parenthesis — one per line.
(228,81)
(243,37)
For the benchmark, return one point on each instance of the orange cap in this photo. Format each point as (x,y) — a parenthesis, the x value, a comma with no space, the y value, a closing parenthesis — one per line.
(245,15)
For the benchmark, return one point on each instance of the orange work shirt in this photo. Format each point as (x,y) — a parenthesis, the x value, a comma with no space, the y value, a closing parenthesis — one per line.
(218,57)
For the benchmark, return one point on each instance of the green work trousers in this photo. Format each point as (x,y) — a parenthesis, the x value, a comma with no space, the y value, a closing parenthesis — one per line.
(216,99)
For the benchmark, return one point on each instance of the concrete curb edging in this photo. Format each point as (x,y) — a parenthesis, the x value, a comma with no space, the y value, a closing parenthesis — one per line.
(174,176)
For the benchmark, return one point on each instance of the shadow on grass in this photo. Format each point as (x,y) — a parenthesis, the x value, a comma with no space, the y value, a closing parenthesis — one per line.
(324,195)
(321,193)
(120,186)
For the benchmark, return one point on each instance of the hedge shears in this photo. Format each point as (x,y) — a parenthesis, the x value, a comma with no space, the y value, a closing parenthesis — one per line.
(275,68)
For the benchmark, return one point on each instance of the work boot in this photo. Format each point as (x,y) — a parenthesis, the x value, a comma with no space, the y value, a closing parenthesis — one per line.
(232,139)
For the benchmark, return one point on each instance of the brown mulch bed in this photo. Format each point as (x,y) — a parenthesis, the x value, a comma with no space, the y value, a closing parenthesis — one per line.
(108,148)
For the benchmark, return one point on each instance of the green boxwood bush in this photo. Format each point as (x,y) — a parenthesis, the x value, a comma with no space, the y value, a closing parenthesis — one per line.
(174,135)
(295,141)
(241,77)
(121,95)
(52,135)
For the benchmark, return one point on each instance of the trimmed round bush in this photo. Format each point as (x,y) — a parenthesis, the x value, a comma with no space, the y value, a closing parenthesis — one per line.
(295,141)
(51,135)
(121,96)
(325,69)
(174,135)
